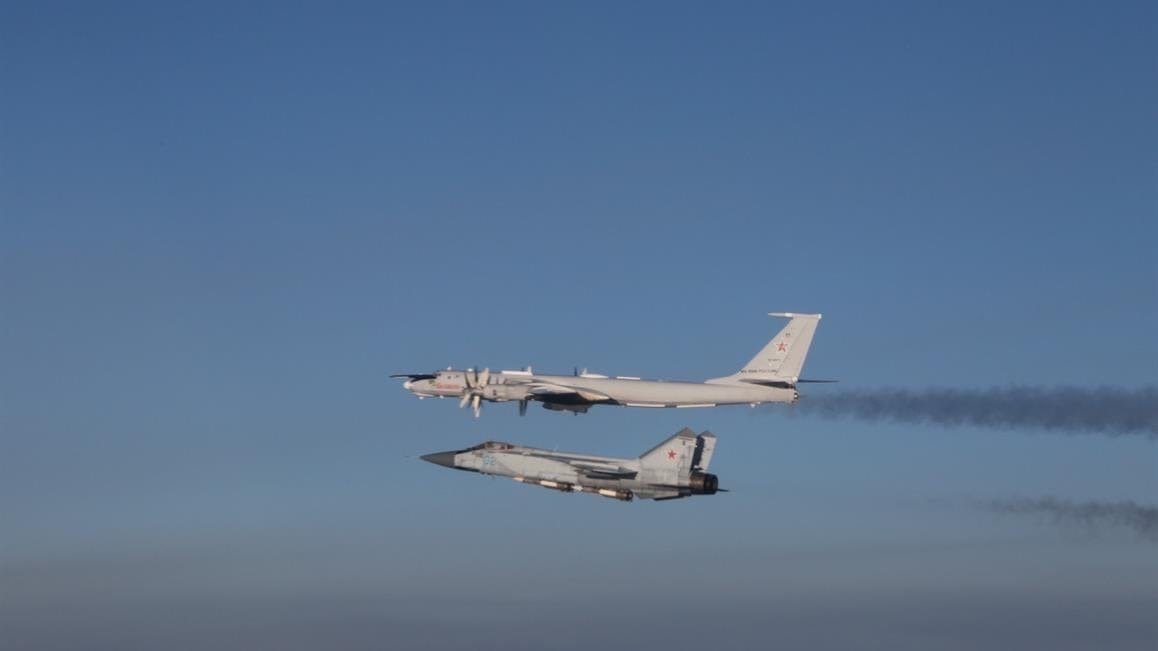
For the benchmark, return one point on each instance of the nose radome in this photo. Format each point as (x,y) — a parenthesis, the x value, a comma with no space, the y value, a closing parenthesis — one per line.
(445,459)
(407,384)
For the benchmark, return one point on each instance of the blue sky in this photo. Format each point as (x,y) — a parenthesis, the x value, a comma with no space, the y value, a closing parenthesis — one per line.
(222,227)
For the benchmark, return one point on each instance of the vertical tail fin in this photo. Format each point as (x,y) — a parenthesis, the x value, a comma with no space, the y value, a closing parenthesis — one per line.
(783,357)
(681,453)
(673,461)
(705,446)
(672,458)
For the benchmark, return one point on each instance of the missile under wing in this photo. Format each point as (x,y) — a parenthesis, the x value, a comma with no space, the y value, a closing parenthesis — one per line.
(675,468)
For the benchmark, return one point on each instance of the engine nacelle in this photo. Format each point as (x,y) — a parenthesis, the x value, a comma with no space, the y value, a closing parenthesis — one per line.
(703,483)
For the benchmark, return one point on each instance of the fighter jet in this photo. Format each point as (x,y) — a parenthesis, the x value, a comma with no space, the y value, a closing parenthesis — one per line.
(771,376)
(673,469)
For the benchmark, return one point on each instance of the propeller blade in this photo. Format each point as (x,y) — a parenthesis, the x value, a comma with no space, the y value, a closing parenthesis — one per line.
(465,400)
(477,404)
(485,378)
(522,407)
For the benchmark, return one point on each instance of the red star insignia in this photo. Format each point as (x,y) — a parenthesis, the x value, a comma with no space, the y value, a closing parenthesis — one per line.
(781,346)
(671,454)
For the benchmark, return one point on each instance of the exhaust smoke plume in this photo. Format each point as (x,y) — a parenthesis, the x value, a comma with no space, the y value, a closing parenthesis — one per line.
(1111,411)
(1143,520)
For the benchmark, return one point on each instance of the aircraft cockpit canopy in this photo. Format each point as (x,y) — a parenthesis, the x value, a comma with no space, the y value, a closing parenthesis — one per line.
(493,445)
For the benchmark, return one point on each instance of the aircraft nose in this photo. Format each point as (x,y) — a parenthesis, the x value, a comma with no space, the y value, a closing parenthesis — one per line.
(445,459)
(407,384)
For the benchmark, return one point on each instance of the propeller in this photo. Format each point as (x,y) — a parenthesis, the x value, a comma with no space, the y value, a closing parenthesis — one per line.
(476,382)
(523,407)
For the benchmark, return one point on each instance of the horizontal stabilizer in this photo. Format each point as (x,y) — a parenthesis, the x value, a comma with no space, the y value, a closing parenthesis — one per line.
(796,315)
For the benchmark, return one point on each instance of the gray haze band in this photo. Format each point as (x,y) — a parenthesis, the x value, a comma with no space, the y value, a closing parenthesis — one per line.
(1111,411)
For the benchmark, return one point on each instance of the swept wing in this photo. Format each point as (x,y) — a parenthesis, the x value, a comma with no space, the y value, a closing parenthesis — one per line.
(548,391)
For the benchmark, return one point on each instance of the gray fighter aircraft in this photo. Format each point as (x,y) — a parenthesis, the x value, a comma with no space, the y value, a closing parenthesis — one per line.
(673,469)
(771,376)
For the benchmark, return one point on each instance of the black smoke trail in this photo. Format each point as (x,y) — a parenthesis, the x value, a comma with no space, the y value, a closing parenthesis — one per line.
(1110,411)
(1142,520)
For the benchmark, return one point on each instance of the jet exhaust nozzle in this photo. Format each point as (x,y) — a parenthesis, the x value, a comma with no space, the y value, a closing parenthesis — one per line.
(703,483)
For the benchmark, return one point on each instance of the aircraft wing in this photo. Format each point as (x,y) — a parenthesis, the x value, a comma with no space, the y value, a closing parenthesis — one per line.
(548,391)
(592,470)
(603,472)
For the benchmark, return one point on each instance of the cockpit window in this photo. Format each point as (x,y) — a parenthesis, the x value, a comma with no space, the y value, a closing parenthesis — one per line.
(492,445)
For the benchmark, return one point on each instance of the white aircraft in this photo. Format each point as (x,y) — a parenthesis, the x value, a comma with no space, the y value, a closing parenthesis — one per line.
(771,376)
(677,467)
